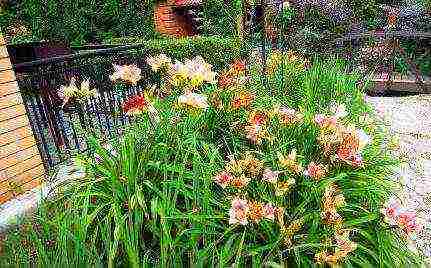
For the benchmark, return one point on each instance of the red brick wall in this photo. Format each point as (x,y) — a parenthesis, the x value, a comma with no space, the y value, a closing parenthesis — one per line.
(168,23)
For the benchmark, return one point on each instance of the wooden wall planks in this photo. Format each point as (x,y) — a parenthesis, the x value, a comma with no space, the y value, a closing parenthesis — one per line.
(21,167)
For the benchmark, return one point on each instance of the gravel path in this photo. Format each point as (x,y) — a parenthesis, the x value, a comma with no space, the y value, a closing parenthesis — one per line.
(409,118)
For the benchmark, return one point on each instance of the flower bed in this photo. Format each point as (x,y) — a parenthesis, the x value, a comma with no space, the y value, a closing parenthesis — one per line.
(236,168)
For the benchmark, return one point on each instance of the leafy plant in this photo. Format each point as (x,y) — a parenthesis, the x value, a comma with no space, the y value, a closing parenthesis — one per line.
(220,184)
(78,22)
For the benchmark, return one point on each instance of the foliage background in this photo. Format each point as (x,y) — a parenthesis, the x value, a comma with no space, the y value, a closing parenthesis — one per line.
(81,21)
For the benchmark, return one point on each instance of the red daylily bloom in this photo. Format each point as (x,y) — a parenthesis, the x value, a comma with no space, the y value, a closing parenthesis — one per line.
(135,105)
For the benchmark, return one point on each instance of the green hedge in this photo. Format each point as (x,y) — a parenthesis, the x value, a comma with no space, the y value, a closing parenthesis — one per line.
(218,51)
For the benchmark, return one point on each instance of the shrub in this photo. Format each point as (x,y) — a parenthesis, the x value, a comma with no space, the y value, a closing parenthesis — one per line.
(81,21)
(183,48)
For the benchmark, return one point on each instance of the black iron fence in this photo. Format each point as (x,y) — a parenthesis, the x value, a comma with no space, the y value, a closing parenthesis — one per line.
(61,131)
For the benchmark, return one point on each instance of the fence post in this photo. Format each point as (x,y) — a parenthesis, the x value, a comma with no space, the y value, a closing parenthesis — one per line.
(21,166)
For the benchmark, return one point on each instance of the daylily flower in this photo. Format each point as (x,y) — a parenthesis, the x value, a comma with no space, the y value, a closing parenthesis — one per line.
(339,110)
(357,161)
(179,73)
(257,131)
(391,211)
(288,116)
(238,211)
(285,5)
(194,100)
(353,141)
(252,165)
(331,201)
(290,162)
(239,182)
(198,66)
(279,215)
(249,166)
(238,67)
(319,119)
(128,73)
(160,62)
(289,231)
(396,215)
(66,93)
(255,211)
(234,166)
(282,187)
(226,80)
(344,246)
(408,223)
(325,257)
(135,105)
(270,176)
(243,99)
(269,211)
(274,61)
(325,122)
(349,146)
(257,118)
(233,76)
(192,73)
(223,179)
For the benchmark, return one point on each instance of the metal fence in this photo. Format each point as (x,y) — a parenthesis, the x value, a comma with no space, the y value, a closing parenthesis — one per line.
(61,132)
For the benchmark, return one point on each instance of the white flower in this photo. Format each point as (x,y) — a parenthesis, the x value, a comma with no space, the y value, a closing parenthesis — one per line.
(339,110)
(159,62)
(364,138)
(73,91)
(127,73)
(193,99)
(285,5)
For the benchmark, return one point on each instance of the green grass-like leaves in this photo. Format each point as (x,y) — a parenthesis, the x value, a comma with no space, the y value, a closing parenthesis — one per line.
(154,202)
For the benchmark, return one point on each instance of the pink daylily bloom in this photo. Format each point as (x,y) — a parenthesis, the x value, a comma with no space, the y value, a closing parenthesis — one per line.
(357,161)
(223,179)
(270,176)
(315,171)
(238,212)
(319,119)
(269,211)
(396,215)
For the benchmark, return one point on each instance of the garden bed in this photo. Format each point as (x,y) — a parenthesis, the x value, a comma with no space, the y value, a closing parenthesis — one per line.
(283,165)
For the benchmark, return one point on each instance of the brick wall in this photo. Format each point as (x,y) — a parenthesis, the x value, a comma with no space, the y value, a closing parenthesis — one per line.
(21,167)
(168,23)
